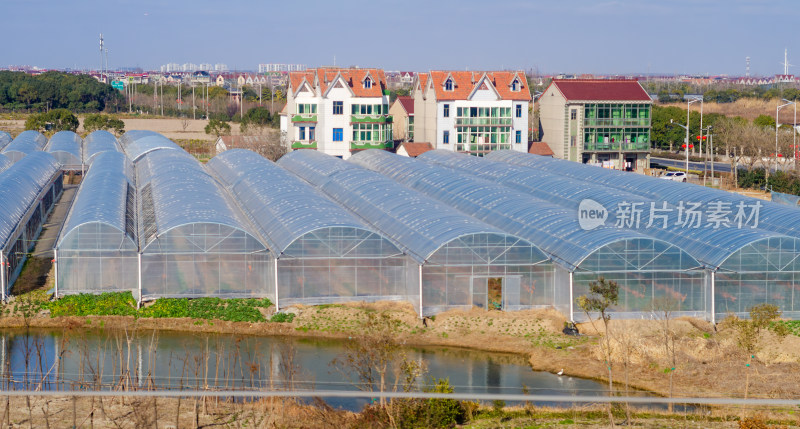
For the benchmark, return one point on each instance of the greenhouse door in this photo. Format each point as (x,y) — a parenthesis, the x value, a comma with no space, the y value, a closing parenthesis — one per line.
(480,291)
(511,286)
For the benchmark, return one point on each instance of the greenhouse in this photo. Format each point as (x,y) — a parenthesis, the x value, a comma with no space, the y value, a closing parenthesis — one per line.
(747,265)
(461,261)
(96,250)
(645,267)
(66,148)
(5,139)
(324,253)
(28,191)
(25,143)
(138,143)
(5,163)
(193,240)
(98,142)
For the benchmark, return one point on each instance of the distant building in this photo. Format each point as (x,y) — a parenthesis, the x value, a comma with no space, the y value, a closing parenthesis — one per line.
(402,112)
(337,111)
(601,122)
(279,67)
(413,149)
(472,112)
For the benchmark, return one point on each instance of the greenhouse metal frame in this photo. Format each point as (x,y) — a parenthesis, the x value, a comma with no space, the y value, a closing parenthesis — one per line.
(324,253)
(457,256)
(67,148)
(25,143)
(5,139)
(98,142)
(29,190)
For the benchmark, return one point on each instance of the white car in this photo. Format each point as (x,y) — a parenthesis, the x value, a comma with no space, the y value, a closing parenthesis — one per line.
(677,176)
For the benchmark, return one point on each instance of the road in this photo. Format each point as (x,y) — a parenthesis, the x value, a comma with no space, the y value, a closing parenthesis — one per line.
(718,166)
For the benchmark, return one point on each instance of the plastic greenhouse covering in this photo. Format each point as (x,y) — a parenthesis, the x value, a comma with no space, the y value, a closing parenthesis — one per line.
(750,263)
(325,254)
(634,259)
(97,250)
(5,163)
(138,143)
(28,190)
(460,258)
(66,147)
(5,139)
(192,239)
(26,142)
(98,142)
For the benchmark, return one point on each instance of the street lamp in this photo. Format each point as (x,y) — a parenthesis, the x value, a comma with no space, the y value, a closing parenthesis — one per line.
(686,127)
(777,125)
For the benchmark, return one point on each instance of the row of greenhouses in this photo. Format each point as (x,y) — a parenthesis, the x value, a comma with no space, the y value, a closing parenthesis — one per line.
(443,231)
(71,151)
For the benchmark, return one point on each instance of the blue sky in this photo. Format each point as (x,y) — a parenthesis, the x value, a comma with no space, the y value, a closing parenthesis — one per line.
(569,36)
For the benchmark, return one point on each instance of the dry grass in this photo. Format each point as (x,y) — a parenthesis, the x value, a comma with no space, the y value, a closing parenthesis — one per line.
(748,108)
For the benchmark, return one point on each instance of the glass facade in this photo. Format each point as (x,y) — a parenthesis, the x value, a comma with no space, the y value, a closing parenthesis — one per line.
(480,130)
(616,127)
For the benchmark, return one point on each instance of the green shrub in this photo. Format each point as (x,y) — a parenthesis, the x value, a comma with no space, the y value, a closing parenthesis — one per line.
(282,317)
(231,310)
(105,304)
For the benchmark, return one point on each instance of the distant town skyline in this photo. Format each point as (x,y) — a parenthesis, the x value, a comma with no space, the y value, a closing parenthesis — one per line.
(696,37)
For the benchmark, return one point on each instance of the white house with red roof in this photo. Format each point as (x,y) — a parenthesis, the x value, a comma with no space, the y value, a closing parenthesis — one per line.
(472,112)
(597,121)
(337,111)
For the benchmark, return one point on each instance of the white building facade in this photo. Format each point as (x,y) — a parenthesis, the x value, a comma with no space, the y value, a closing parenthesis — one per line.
(472,112)
(337,111)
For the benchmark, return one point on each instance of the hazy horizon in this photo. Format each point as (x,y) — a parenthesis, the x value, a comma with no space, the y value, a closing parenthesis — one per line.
(582,36)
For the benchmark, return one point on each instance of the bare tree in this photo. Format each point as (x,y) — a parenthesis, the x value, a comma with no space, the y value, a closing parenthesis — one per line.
(664,308)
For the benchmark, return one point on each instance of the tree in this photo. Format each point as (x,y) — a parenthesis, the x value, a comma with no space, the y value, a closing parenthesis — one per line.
(602,295)
(218,128)
(664,309)
(255,120)
(54,120)
(765,121)
(97,121)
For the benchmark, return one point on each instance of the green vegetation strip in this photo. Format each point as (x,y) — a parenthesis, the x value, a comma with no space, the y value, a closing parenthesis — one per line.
(123,304)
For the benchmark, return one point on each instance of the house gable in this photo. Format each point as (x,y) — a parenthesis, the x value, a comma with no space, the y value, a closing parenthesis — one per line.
(484,90)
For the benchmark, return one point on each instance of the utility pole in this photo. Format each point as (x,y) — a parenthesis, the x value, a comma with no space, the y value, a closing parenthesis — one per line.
(194,106)
(162,97)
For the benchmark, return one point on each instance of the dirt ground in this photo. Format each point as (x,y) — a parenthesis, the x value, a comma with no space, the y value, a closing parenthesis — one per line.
(747,108)
(172,128)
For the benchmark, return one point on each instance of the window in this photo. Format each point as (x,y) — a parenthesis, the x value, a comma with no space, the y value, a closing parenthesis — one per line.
(338,108)
(312,133)
(573,114)
(448,84)
(518,137)
(337,134)
(446,111)
(515,85)
(367,83)
(446,137)
(518,113)
(302,133)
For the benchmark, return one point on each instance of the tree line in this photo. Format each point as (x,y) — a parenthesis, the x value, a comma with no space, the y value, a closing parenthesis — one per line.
(20,91)
(673,92)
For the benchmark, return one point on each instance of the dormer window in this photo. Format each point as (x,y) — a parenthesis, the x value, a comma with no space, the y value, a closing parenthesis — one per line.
(515,85)
(367,83)
(448,84)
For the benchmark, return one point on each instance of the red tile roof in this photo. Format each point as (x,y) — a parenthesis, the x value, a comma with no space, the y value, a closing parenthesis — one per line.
(540,148)
(601,89)
(465,82)
(423,79)
(415,149)
(354,79)
(407,103)
(295,78)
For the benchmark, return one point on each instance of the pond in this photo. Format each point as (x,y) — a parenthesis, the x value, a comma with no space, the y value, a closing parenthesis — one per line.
(98,359)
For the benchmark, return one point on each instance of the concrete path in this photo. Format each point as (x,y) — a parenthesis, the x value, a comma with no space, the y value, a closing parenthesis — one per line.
(47,240)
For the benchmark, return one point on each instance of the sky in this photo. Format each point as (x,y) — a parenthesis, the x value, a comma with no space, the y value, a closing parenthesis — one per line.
(563,36)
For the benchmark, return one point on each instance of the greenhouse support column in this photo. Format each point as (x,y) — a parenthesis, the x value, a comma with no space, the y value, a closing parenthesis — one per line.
(571,304)
(420,291)
(55,264)
(2,277)
(713,294)
(275,274)
(139,263)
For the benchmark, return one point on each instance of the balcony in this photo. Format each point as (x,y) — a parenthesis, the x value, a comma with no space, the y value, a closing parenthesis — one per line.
(305,117)
(615,147)
(370,119)
(616,122)
(471,122)
(304,144)
(362,145)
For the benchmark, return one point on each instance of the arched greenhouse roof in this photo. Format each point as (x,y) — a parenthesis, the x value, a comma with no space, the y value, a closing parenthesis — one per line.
(282,206)
(20,185)
(5,162)
(98,142)
(66,147)
(175,191)
(710,244)
(5,139)
(773,217)
(138,143)
(104,200)
(419,224)
(552,228)
(25,143)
